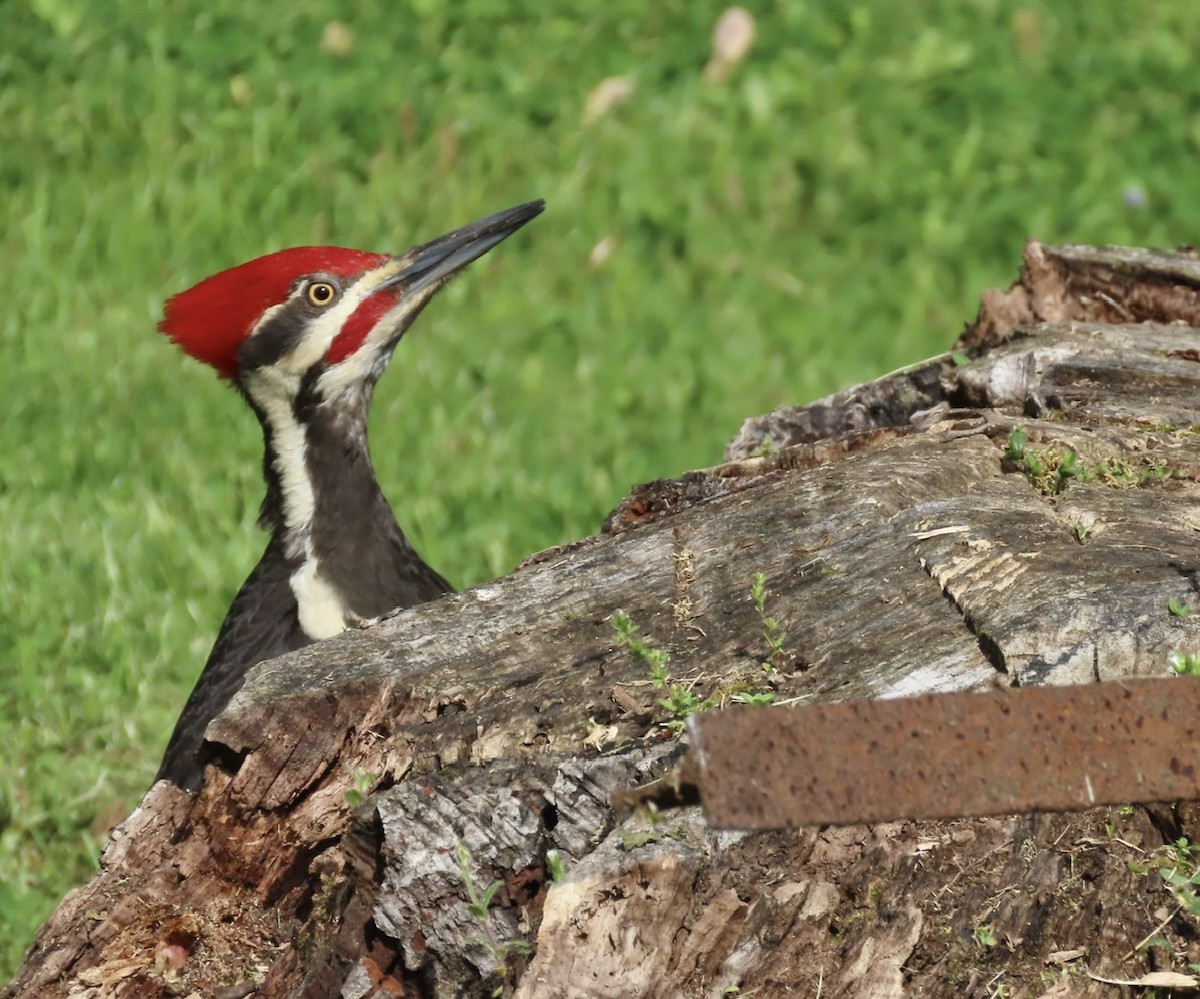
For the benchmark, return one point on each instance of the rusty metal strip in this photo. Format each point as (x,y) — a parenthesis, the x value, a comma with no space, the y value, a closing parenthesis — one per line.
(950,755)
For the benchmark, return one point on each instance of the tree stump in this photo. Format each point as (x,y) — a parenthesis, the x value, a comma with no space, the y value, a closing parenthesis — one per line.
(422,808)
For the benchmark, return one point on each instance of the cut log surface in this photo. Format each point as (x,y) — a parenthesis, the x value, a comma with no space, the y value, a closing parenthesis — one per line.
(422,808)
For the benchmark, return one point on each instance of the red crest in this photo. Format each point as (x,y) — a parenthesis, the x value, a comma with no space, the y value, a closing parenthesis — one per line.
(211,319)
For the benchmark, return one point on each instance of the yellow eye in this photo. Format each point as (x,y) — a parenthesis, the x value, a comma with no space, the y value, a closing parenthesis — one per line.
(320,294)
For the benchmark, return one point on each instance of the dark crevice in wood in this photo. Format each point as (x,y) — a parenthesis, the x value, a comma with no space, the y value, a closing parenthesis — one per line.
(1167,820)
(296,875)
(221,756)
(988,647)
(990,650)
(1189,573)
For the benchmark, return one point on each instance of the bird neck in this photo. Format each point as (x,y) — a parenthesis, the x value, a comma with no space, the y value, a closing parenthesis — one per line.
(326,512)
(310,459)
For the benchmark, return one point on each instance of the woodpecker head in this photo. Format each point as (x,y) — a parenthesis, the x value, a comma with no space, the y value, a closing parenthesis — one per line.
(321,318)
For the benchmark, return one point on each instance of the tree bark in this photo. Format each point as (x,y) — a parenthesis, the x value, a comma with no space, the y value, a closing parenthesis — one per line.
(368,789)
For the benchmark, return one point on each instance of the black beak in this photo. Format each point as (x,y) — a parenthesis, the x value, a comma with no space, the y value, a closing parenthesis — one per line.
(432,263)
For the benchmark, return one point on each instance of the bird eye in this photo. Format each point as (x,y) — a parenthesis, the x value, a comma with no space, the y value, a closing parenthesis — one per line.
(320,294)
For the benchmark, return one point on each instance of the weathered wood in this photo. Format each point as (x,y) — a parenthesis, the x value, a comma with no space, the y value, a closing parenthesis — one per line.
(902,553)
(1105,284)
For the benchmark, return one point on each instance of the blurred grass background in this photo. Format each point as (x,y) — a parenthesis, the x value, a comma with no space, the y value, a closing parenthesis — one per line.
(828,212)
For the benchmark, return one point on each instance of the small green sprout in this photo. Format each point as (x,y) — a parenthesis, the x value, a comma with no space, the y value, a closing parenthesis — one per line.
(1069,466)
(1179,865)
(556,867)
(764,449)
(627,635)
(1185,663)
(1017,439)
(363,780)
(760,699)
(772,633)
(680,701)
(478,903)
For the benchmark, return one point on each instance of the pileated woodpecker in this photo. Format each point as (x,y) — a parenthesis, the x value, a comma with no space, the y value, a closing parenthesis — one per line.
(304,334)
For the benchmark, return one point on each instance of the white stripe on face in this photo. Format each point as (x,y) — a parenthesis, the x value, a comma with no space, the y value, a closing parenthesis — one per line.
(370,359)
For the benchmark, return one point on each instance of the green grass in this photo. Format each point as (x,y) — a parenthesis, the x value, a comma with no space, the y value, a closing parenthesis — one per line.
(828,214)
